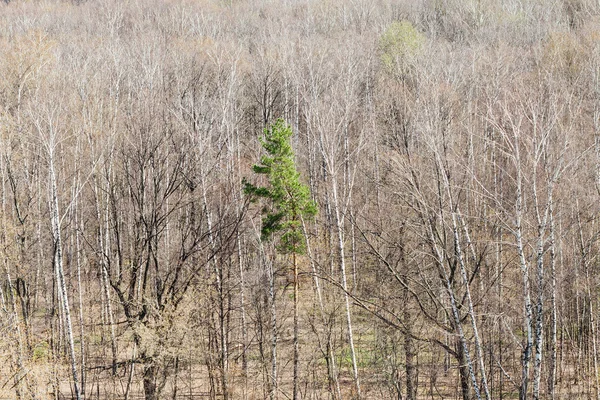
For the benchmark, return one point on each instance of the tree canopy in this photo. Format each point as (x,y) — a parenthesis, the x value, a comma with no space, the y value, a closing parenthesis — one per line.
(289,197)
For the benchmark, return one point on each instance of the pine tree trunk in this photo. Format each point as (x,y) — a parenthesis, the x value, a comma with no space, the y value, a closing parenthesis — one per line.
(296,351)
(273,387)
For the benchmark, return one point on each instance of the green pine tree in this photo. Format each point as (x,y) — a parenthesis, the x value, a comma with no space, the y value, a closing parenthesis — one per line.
(288,197)
(289,201)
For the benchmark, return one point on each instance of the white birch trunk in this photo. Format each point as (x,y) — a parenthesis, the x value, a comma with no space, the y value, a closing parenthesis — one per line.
(60,278)
(542,220)
(80,300)
(454,307)
(527,307)
(218,270)
(465,278)
(539,320)
(553,316)
(341,254)
(103,256)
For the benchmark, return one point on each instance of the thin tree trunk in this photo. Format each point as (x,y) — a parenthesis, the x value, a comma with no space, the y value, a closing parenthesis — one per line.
(463,371)
(60,278)
(539,316)
(243,314)
(103,257)
(150,375)
(296,350)
(410,350)
(331,364)
(80,299)
(12,315)
(553,317)
(342,260)
(594,349)
(466,365)
(218,270)
(471,311)
(466,369)
(526,354)
(410,353)
(273,387)
(592,320)
(131,372)
(16,334)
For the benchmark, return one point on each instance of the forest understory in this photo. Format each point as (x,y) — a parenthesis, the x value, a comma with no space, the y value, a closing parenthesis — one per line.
(299,199)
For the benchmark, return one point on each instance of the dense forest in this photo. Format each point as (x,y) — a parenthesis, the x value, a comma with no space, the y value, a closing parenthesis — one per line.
(299,199)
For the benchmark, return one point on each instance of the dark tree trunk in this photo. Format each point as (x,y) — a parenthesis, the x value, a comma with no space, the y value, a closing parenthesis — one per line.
(465,376)
(150,375)
(410,350)
(411,368)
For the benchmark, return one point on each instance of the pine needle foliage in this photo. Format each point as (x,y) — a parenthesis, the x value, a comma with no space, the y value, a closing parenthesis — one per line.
(288,199)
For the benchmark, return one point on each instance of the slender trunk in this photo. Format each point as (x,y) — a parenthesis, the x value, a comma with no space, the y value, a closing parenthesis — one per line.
(80,300)
(15,332)
(296,352)
(539,317)
(526,354)
(103,257)
(552,362)
(150,375)
(466,365)
(40,256)
(273,388)
(463,371)
(458,253)
(218,270)
(245,343)
(12,315)
(243,313)
(527,307)
(542,221)
(465,278)
(224,361)
(60,278)
(410,353)
(410,349)
(594,349)
(131,372)
(175,378)
(592,320)
(334,385)
(342,260)
(54,333)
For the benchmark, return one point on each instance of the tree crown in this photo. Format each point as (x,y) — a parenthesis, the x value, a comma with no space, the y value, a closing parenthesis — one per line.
(289,198)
